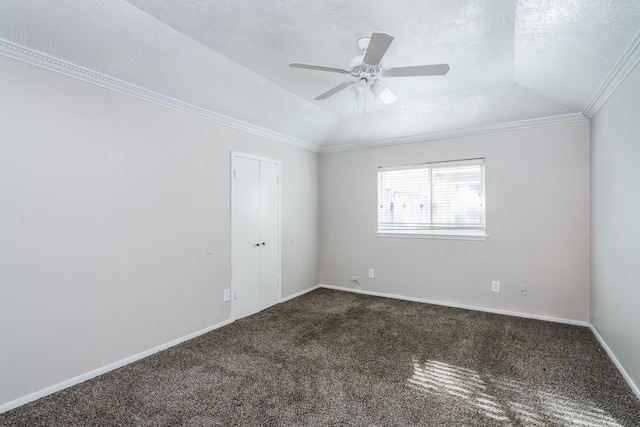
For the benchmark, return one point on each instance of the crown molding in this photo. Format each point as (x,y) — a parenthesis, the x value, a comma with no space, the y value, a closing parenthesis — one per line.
(42,60)
(627,62)
(521,124)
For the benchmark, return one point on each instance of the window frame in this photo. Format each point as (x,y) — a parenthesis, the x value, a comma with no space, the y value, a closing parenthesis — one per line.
(452,233)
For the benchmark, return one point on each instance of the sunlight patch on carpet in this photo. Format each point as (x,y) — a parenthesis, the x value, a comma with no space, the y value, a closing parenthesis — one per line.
(468,386)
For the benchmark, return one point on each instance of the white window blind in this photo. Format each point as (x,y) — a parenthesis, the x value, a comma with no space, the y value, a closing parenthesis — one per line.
(432,196)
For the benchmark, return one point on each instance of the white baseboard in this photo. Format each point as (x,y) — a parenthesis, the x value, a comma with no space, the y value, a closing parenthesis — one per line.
(615,361)
(88,375)
(455,305)
(296,295)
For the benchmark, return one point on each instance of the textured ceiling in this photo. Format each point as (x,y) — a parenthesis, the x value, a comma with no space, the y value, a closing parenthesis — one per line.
(510,60)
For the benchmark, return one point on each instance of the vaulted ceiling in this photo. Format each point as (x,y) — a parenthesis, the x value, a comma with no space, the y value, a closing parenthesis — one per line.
(512,62)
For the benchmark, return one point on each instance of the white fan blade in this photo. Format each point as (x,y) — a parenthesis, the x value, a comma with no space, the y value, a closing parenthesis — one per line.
(378,45)
(418,70)
(318,68)
(333,91)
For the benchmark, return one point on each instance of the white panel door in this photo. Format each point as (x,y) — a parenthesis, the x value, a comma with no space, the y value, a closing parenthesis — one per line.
(255,235)
(269,234)
(245,232)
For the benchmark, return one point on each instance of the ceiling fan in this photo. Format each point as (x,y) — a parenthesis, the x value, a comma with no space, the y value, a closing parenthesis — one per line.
(368,70)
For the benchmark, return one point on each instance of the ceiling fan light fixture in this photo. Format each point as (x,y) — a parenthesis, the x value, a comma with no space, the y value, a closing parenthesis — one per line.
(362,84)
(383,93)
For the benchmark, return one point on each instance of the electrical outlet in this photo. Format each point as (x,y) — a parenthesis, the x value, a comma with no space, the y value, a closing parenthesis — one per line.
(354,275)
(495,286)
(227,295)
(523,290)
(371,273)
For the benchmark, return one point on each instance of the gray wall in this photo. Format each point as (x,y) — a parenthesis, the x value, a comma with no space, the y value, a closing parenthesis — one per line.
(109,205)
(537,197)
(615,226)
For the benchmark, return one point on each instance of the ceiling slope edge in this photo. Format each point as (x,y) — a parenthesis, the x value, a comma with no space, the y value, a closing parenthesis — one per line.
(627,62)
(42,60)
(520,124)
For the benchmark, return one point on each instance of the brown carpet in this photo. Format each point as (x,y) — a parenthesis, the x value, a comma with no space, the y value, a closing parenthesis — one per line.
(337,358)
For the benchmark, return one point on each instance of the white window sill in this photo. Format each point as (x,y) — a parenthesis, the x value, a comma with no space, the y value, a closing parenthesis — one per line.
(436,234)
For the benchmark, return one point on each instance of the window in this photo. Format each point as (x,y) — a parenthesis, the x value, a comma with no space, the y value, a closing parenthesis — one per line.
(432,199)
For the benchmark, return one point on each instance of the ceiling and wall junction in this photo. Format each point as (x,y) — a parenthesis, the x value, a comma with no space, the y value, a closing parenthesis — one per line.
(513,63)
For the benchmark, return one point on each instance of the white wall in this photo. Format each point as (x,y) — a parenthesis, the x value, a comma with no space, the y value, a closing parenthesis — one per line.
(537,188)
(615,229)
(108,207)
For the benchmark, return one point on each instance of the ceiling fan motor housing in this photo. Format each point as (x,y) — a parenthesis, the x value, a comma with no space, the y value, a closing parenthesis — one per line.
(362,41)
(357,67)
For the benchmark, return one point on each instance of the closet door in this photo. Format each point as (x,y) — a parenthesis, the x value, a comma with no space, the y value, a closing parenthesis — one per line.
(245,233)
(255,245)
(269,234)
